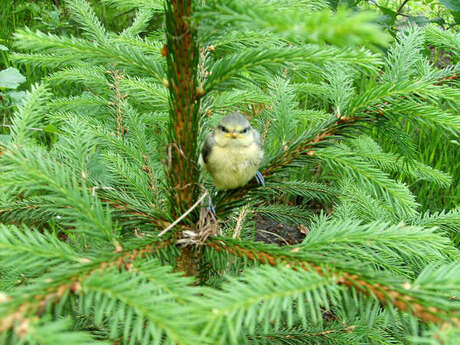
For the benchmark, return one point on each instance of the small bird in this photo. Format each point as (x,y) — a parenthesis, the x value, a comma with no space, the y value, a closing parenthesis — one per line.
(232,153)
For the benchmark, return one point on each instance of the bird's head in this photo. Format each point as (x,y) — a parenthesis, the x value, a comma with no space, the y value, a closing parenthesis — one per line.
(234,130)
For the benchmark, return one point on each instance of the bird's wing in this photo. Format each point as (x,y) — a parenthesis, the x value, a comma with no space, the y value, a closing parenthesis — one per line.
(209,143)
(257,139)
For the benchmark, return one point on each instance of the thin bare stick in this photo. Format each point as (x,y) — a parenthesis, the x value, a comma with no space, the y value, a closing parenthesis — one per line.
(173,224)
(275,235)
(398,12)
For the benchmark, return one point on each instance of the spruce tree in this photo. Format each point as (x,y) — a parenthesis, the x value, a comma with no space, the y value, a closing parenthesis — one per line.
(105,235)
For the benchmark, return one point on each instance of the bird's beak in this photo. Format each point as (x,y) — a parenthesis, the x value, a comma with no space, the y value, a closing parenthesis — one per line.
(231,135)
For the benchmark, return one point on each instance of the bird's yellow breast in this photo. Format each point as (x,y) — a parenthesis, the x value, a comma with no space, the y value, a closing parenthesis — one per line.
(233,167)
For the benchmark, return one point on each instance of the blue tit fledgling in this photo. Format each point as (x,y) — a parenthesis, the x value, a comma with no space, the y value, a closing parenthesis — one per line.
(232,153)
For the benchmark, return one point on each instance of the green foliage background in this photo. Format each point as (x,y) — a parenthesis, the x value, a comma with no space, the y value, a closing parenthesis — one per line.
(360,117)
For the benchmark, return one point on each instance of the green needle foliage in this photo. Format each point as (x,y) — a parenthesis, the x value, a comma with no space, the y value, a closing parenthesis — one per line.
(105,237)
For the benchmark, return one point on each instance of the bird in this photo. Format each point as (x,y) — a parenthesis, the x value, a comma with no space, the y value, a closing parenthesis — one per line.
(233,153)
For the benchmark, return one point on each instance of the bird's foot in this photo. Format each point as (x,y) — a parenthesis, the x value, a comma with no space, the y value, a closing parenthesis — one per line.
(260,179)
(211,207)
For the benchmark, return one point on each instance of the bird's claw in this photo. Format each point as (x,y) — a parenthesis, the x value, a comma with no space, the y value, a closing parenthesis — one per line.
(260,179)
(211,207)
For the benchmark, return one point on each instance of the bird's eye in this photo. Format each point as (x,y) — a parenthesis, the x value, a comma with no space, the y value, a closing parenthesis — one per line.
(223,129)
(245,130)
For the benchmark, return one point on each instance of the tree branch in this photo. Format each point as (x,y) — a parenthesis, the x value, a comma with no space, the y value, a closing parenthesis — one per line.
(182,60)
(37,304)
(335,130)
(384,294)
